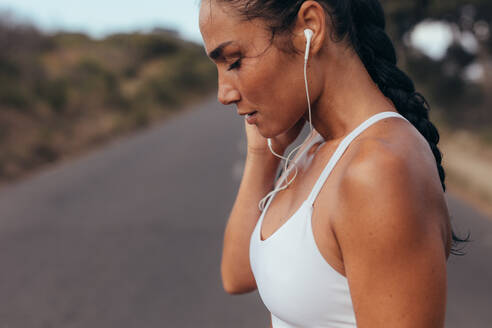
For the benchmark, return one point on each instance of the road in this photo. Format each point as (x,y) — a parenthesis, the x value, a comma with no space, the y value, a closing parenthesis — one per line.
(130,235)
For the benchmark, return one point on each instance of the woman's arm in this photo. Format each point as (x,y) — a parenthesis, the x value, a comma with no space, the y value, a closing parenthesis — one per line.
(258,179)
(390,231)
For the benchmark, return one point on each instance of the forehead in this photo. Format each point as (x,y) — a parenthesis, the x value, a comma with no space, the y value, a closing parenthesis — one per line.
(221,23)
(212,11)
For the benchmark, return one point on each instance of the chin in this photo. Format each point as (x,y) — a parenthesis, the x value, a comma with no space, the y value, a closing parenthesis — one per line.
(267,133)
(263,133)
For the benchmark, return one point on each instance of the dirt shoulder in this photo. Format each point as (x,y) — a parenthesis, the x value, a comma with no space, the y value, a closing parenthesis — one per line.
(468,164)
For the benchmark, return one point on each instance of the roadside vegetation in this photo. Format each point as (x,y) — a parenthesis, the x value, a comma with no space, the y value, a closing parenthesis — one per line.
(66,93)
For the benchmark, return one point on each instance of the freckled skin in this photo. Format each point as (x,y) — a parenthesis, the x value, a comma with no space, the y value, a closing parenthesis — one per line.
(381,218)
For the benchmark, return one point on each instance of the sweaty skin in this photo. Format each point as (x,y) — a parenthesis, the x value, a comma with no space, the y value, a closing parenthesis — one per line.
(381,218)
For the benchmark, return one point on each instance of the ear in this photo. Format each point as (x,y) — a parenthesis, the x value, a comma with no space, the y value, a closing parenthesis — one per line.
(311,15)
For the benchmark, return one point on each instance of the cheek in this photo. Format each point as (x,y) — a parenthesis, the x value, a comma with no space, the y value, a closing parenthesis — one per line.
(274,86)
(258,83)
(272,82)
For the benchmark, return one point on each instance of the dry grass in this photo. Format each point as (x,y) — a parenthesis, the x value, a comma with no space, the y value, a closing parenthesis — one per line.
(468,163)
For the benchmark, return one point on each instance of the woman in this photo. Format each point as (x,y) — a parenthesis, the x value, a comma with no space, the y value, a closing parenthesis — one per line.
(367,245)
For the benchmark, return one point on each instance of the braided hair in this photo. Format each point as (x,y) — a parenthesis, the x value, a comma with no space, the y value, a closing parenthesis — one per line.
(362,23)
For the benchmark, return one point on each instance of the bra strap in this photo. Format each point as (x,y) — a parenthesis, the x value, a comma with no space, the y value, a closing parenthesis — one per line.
(342,147)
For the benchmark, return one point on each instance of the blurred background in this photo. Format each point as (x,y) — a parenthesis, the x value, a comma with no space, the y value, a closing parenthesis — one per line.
(109,126)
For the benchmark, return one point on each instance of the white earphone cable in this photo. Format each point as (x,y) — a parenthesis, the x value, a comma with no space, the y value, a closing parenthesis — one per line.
(287,170)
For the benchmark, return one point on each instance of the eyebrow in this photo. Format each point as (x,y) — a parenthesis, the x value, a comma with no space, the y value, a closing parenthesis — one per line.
(217,52)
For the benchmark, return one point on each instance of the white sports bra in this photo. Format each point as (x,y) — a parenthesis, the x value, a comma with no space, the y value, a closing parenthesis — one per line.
(296,284)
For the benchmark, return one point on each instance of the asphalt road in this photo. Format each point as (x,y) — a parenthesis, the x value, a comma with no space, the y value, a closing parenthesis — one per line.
(130,235)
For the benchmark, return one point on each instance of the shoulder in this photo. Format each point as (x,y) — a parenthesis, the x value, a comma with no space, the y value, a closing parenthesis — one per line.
(389,229)
(378,181)
(394,164)
(375,163)
(389,183)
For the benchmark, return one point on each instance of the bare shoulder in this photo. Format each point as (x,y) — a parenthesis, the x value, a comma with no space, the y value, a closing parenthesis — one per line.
(385,177)
(393,173)
(391,230)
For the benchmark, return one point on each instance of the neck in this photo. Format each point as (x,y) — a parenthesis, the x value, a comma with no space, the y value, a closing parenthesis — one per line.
(349,99)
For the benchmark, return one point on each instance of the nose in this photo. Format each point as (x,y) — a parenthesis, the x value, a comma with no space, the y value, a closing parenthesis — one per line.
(227,93)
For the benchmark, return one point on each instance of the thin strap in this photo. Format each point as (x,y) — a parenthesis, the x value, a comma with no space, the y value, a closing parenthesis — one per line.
(342,147)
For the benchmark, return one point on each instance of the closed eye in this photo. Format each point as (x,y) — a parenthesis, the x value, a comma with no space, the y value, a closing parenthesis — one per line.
(235,65)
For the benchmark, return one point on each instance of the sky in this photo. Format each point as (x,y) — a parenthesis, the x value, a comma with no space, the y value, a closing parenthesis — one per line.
(102,17)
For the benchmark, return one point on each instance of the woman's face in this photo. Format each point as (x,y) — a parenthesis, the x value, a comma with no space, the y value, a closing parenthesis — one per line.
(252,72)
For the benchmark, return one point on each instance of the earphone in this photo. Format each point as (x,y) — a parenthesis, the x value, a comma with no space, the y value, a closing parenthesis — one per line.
(309,35)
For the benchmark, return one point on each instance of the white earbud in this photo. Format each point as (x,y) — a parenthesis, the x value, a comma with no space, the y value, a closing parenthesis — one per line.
(309,34)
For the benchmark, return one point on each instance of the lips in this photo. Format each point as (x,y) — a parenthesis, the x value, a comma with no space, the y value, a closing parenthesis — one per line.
(251,118)
(248,113)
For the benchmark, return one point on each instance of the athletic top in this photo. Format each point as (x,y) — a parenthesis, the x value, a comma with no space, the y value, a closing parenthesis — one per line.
(296,284)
